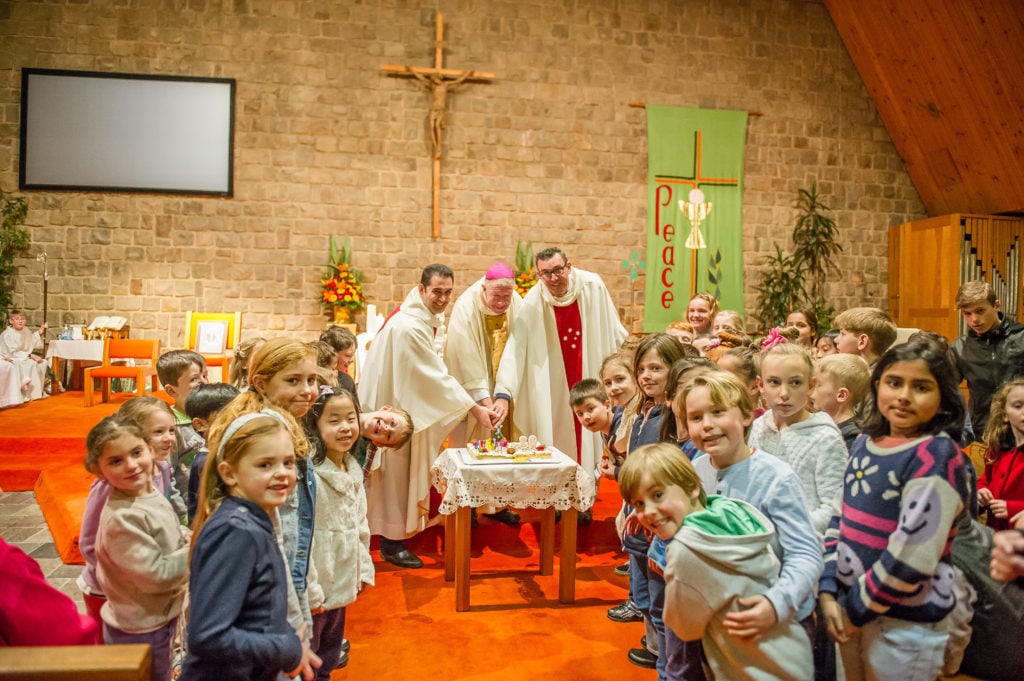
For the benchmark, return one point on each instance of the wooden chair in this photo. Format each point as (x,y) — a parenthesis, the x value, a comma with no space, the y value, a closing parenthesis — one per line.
(122,349)
(214,335)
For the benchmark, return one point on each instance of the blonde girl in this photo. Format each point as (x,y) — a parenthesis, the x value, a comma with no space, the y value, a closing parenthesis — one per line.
(238,621)
(141,550)
(1001,486)
(701,309)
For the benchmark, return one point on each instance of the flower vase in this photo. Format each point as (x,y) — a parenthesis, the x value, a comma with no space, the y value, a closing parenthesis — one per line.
(342,315)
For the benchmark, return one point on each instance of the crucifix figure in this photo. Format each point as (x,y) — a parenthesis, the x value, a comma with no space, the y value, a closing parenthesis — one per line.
(439,81)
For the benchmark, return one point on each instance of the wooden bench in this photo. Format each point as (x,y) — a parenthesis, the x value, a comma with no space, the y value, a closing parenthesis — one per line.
(76,663)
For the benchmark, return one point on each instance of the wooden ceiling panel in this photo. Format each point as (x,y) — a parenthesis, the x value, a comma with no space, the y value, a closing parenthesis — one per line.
(946,78)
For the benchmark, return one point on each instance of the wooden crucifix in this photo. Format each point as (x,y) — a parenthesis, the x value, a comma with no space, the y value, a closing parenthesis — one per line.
(439,81)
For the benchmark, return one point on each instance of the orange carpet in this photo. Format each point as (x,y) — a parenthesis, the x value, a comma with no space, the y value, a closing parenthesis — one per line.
(406,626)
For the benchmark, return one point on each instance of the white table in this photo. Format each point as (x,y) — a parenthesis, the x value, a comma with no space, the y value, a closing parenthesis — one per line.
(87,350)
(554,484)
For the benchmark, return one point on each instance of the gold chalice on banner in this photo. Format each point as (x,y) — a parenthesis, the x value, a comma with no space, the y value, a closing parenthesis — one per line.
(696,210)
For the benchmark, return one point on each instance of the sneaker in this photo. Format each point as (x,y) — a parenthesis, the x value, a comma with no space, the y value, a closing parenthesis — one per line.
(622,570)
(642,657)
(627,612)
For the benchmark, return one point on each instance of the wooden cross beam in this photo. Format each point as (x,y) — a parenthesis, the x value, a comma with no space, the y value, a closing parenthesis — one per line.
(439,81)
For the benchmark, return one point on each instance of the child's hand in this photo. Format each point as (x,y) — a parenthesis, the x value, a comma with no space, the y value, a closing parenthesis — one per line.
(997,507)
(839,626)
(984,496)
(1017,521)
(1007,555)
(755,621)
(606,468)
(309,662)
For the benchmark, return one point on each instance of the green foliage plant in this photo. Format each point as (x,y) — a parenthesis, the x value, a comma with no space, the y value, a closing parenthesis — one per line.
(14,242)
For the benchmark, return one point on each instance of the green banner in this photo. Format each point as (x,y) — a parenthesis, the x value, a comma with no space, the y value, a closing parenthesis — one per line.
(695,156)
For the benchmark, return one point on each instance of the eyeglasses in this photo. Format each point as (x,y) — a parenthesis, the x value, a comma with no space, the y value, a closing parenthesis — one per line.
(552,274)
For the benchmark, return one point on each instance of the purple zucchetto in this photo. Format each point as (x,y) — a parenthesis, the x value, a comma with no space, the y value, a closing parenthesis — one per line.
(499,270)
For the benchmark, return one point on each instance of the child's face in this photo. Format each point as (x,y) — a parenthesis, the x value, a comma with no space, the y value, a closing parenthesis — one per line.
(159,429)
(724,322)
(265,472)
(127,464)
(849,343)
(1015,413)
(980,316)
(383,427)
(595,415)
(785,384)
(824,346)
(339,425)
(294,388)
(652,375)
(345,358)
(661,509)
(908,397)
(798,320)
(716,429)
(332,362)
(698,313)
(681,334)
(824,395)
(17,321)
(187,382)
(618,384)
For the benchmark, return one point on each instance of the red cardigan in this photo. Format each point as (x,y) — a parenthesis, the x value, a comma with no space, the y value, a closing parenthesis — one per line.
(1004,477)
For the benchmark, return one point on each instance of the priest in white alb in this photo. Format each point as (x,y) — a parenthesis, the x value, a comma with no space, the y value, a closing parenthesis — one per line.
(403,369)
(561,334)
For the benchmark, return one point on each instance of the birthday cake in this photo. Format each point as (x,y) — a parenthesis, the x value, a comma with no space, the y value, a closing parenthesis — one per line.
(526,448)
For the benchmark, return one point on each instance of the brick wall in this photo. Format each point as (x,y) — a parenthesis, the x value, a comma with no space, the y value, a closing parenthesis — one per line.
(551,152)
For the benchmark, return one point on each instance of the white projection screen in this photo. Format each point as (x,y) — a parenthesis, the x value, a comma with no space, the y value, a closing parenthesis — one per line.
(116,132)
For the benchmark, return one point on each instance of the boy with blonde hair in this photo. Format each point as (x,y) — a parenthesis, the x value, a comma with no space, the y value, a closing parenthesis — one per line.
(841,383)
(865,331)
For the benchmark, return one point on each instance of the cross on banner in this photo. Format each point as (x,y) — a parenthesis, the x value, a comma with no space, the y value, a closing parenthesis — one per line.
(439,81)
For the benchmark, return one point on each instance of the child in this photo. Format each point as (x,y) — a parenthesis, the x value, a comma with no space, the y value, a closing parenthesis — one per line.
(727,320)
(745,364)
(141,550)
(238,373)
(1001,487)
(865,331)
(16,347)
(594,411)
(180,371)
(654,358)
(344,343)
(681,330)
(806,322)
(713,551)
(674,429)
(326,363)
(888,571)
(341,537)
(620,385)
(202,406)
(718,415)
(810,443)
(841,383)
(826,344)
(238,620)
(386,427)
(701,309)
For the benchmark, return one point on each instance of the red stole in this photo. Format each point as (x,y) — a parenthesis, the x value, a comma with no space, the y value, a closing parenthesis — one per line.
(570,338)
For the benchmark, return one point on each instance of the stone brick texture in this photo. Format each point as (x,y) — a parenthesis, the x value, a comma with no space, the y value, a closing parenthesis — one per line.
(551,152)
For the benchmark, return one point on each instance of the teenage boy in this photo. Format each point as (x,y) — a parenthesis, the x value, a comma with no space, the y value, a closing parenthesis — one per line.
(865,331)
(990,353)
(841,382)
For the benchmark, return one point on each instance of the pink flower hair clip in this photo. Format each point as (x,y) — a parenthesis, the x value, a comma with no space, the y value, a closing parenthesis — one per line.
(772,339)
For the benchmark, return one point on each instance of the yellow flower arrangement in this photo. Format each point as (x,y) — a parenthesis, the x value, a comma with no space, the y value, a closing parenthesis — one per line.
(525,276)
(341,285)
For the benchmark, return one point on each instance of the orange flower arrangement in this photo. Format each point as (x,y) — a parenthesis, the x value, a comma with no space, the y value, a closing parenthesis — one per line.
(525,276)
(341,285)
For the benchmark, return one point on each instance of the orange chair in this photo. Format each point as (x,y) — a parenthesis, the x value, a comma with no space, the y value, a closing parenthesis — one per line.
(214,335)
(122,349)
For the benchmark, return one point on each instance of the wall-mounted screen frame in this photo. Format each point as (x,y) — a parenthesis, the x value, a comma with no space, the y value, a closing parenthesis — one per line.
(121,132)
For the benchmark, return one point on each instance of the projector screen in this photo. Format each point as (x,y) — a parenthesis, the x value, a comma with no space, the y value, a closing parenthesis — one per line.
(82,130)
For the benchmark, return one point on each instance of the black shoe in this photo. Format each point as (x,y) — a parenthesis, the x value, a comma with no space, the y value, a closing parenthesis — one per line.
(585,517)
(622,570)
(343,660)
(346,645)
(473,522)
(403,559)
(627,612)
(642,657)
(504,516)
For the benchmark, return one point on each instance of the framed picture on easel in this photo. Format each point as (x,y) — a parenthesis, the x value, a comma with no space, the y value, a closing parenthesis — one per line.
(211,337)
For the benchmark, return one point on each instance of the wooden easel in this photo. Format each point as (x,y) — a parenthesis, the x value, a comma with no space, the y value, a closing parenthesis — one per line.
(439,81)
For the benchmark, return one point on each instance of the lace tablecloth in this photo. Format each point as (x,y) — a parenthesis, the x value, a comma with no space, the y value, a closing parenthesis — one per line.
(559,482)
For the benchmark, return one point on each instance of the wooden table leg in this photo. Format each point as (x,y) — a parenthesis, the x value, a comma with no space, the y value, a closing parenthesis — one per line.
(449,547)
(567,558)
(462,522)
(547,541)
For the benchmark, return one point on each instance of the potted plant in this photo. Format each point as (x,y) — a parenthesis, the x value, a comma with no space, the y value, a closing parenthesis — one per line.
(341,287)
(14,241)
(799,279)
